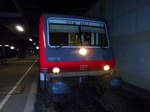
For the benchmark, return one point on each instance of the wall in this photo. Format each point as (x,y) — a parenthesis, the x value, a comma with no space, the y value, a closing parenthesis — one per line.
(129,22)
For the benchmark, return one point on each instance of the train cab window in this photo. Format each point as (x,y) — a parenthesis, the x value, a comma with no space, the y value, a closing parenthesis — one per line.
(63,35)
(56,40)
(74,35)
(94,36)
(102,40)
(86,38)
(74,39)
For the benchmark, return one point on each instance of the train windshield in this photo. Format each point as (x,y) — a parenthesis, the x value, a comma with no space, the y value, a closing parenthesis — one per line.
(73,35)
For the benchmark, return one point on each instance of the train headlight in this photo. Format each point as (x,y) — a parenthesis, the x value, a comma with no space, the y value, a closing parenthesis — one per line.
(83,51)
(106,67)
(56,70)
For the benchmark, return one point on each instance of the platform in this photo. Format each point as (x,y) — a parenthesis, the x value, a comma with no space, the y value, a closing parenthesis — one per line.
(18,83)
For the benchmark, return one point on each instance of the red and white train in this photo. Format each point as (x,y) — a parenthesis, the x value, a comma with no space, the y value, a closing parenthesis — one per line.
(73,46)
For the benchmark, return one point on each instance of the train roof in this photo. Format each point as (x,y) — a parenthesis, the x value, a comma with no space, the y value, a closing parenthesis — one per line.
(73,17)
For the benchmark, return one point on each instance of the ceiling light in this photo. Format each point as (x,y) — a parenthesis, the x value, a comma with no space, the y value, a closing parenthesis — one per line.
(37,47)
(30,39)
(6,45)
(19,28)
(12,47)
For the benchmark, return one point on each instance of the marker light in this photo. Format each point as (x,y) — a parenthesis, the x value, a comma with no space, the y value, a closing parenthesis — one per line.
(83,51)
(19,28)
(56,70)
(12,47)
(106,68)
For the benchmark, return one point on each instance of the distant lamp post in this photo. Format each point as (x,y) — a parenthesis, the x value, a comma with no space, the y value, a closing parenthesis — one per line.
(34,43)
(19,28)
(12,47)
(37,47)
(30,39)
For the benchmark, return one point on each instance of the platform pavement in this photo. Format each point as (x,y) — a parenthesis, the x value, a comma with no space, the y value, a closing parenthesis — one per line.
(18,83)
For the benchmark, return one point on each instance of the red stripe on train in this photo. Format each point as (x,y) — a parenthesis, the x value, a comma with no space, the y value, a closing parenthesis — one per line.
(74,66)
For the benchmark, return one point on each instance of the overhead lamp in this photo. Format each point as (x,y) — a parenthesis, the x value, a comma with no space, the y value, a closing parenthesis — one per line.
(30,39)
(37,47)
(12,47)
(6,45)
(19,28)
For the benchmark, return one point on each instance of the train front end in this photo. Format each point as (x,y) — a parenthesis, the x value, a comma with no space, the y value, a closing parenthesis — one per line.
(71,47)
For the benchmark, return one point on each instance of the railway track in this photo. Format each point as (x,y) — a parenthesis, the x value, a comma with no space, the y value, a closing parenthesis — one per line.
(76,98)
(90,96)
